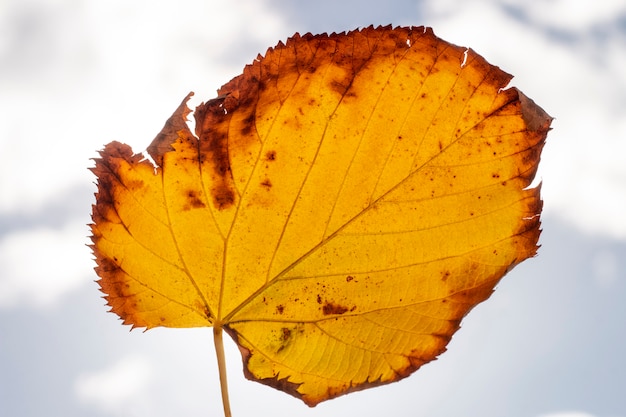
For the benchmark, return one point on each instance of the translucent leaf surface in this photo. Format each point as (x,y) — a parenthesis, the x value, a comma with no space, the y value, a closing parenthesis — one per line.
(343,204)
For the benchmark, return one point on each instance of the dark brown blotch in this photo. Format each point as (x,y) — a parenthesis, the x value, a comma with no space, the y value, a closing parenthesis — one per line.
(248,124)
(270,156)
(194,200)
(445,275)
(286,334)
(331,308)
(339,87)
(267,184)
(223,197)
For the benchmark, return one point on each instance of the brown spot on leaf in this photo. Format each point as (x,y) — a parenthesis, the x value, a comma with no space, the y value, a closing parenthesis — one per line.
(223,197)
(284,338)
(267,184)
(331,308)
(286,334)
(270,156)
(280,308)
(339,87)
(248,124)
(193,200)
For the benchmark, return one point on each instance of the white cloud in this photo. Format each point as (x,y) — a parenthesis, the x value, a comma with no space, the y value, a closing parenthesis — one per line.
(574,15)
(116,389)
(40,265)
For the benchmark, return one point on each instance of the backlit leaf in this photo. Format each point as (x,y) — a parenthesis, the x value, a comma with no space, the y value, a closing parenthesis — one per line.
(341,207)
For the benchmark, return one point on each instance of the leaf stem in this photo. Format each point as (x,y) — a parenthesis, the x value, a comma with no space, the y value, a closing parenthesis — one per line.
(221,365)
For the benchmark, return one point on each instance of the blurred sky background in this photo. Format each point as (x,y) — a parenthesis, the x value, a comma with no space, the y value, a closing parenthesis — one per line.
(75,75)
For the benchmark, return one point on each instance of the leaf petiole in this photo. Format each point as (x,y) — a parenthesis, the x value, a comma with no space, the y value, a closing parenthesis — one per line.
(221,365)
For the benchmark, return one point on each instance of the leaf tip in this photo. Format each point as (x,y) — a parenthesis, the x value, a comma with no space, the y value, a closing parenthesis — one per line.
(162,143)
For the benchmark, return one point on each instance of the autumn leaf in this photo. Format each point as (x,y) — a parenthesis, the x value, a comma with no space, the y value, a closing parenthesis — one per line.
(343,204)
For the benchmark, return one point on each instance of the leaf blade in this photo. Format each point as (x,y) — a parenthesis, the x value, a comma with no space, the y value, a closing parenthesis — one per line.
(347,200)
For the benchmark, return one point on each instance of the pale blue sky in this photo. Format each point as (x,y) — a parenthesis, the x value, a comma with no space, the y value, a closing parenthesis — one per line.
(75,75)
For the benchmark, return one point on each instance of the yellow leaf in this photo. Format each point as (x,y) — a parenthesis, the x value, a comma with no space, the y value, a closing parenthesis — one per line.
(341,207)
